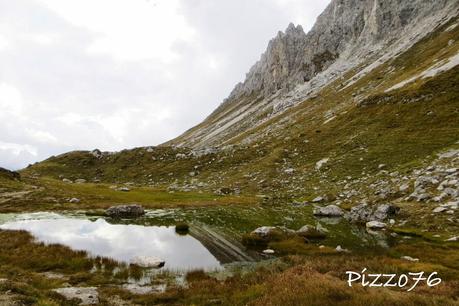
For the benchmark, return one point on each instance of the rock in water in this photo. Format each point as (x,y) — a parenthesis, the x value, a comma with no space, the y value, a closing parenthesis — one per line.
(148,262)
(125,211)
(87,296)
(329,211)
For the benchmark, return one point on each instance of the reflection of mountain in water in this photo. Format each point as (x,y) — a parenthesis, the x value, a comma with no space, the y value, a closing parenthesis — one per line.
(226,250)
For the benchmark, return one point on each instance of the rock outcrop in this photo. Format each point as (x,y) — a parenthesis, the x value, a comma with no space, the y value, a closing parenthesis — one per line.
(125,211)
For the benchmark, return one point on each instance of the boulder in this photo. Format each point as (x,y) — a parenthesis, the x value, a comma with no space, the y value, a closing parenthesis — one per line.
(264,231)
(148,262)
(329,211)
(125,211)
(364,213)
(376,225)
(310,232)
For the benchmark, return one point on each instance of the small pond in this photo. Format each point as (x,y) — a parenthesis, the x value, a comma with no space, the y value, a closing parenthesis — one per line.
(122,242)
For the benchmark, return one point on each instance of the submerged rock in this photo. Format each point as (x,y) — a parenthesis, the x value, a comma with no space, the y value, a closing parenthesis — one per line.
(125,211)
(329,211)
(148,262)
(87,295)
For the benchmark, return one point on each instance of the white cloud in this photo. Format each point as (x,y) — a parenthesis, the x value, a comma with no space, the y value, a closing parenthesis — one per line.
(128,30)
(10,100)
(3,43)
(114,74)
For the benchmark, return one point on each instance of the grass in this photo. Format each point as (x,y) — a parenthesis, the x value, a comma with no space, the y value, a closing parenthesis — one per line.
(55,195)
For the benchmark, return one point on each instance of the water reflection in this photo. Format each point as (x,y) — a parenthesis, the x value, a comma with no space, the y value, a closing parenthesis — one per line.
(121,242)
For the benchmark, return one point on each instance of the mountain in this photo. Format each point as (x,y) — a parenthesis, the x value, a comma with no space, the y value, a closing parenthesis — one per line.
(349,39)
(370,91)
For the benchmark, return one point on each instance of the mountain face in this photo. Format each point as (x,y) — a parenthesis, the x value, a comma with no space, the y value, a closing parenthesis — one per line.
(348,35)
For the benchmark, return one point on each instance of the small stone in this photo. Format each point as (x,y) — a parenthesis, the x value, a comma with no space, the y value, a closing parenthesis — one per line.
(80,181)
(439,209)
(455,238)
(74,200)
(341,250)
(268,251)
(318,199)
(409,258)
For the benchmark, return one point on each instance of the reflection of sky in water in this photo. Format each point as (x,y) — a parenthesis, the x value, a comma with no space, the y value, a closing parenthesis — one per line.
(121,242)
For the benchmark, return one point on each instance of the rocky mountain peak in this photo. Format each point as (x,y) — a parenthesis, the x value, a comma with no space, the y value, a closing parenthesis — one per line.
(282,60)
(351,28)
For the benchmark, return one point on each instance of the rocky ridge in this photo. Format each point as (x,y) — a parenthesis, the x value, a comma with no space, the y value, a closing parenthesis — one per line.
(296,66)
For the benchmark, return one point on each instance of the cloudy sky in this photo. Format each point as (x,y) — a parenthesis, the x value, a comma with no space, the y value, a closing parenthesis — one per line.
(114,74)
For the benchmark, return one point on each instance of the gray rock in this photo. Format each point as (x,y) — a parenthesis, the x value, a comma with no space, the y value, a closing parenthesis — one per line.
(342,250)
(80,181)
(375,225)
(87,295)
(364,212)
(125,211)
(74,200)
(329,211)
(264,231)
(440,209)
(318,199)
(67,181)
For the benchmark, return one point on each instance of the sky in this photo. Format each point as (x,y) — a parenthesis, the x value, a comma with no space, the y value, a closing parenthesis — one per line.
(117,74)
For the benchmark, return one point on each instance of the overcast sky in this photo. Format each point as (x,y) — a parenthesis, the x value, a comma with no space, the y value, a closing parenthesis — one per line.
(115,74)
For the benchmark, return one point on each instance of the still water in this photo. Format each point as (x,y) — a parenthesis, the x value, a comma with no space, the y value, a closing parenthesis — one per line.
(122,242)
